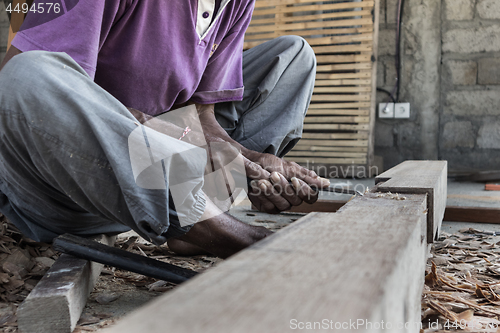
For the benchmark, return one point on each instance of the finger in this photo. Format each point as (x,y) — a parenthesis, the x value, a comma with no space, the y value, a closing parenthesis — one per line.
(255,171)
(272,195)
(309,176)
(259,200)
(283,187)
(304,191)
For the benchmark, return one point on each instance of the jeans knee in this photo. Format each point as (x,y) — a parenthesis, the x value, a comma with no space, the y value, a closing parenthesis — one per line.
(33,77)
(35,69)
(301,46)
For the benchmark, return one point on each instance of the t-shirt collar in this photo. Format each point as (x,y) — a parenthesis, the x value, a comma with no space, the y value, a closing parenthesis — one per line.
(204,15)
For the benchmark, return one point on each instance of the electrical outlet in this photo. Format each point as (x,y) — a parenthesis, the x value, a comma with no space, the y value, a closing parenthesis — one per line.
(386,110)
(402,110)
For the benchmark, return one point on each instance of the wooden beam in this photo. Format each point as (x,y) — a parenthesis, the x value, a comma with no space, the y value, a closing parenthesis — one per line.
(338,267)
(452,213)
(16,20)
(429,177)
(57,301)
(325,206)
(472,214)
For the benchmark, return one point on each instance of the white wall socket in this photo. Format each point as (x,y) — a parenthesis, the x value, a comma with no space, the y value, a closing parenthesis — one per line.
(402,110)
(386,110)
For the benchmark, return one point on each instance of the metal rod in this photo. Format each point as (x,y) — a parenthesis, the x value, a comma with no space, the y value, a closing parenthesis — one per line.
(341,190)
(92,250)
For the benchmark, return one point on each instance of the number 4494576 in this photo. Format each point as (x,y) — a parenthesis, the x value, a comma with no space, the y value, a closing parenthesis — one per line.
(47,7)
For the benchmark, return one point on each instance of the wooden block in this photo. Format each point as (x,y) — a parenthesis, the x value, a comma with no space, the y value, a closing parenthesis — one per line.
(57,301)
(472,214)
(363,263)
(417,177)
(325,206)
(492,187)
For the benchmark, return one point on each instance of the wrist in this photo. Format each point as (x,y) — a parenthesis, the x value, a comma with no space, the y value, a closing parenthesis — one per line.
(251,154)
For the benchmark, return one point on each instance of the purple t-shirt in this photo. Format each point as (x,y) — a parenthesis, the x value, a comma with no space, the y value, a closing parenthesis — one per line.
(149,54)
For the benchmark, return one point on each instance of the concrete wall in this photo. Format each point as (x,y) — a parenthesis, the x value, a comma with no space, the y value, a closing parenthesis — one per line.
(450,75)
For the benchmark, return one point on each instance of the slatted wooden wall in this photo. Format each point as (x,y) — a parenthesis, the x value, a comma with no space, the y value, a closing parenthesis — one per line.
(338,129)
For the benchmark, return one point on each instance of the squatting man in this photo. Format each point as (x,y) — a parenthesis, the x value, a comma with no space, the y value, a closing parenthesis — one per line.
(75,85)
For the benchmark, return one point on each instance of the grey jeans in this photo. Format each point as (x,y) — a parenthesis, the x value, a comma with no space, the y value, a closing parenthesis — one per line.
(64,161)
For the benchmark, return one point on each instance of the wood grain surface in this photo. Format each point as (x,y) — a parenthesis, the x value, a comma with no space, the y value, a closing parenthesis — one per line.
(363,263)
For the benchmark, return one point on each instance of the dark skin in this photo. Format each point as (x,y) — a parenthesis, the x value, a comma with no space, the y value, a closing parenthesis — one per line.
(276,185)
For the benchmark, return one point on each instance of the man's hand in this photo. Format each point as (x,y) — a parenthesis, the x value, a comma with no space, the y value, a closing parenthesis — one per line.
(278,184)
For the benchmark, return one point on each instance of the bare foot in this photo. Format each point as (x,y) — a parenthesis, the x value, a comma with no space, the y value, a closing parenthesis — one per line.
(221,235)
(184,248)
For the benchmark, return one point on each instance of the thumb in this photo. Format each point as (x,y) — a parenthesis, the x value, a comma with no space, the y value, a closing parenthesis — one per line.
(255,171)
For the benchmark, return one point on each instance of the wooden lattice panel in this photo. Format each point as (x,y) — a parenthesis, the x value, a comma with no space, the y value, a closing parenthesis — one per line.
(338,128)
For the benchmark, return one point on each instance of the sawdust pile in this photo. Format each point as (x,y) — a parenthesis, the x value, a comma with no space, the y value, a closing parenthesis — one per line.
(462,285)
(24,262)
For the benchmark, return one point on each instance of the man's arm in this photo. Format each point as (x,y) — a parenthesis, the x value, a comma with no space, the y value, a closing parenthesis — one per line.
(277,184)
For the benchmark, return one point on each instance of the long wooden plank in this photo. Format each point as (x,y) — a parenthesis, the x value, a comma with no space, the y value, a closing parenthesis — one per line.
(57,301)
(366,47)
(332,127)
(428,177)
(343,58)
(255,38)
(328,143)
(340,267)
(331,149)
(310,8)
(343,82)
(341,5)
(472,214)
(342,89)
(340,97)
(452,213)
(331,112)
(344,67)
(308,25)
(262,19)
(339,105)
(314,38)
(333,76)
(327,119)
(321,153)
(333,136)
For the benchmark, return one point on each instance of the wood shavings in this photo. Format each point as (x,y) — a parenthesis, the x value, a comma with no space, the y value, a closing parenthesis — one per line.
(463,283)
(389,195)
(23,262)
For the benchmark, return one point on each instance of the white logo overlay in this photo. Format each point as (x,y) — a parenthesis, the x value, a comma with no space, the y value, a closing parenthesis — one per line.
(160,160)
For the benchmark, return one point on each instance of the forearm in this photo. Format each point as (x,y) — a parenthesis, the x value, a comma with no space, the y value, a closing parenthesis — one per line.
(213,131)
(167,128)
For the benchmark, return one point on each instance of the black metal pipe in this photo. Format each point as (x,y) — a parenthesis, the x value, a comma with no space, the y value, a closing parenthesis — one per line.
(92,250)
